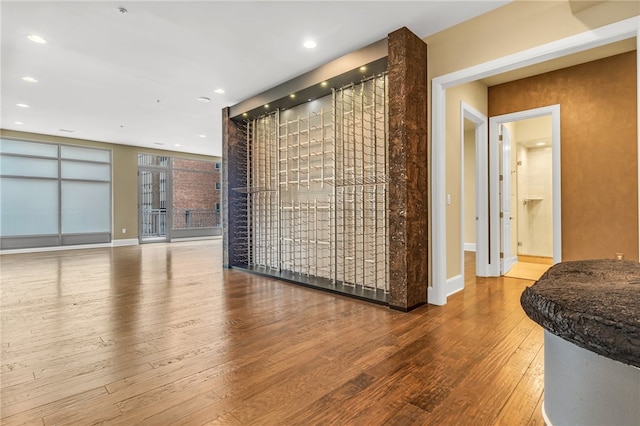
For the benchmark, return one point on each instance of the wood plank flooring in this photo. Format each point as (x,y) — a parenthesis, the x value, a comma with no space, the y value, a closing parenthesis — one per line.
(528,271)
(161,334)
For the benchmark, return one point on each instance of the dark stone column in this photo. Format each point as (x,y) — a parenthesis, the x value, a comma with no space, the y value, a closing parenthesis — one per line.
(408,198)
(234,205)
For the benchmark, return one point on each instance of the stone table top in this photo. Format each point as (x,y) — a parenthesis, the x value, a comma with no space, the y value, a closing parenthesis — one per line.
(594,304)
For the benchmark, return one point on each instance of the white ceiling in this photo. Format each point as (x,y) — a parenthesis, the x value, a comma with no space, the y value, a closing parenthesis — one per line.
(134,78)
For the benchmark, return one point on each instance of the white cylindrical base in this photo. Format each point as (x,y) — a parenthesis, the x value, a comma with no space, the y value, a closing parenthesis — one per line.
(584,388)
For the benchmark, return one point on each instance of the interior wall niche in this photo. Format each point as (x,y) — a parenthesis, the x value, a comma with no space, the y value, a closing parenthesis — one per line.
(307,188)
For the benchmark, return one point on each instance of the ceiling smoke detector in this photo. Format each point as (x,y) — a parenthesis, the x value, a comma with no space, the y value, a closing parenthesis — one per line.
(122,10)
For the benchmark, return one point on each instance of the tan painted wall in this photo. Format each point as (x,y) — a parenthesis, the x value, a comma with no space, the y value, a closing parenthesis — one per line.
(470,186)
(475,95)
(532,129)
(124,176)
(515,27)
(598,109)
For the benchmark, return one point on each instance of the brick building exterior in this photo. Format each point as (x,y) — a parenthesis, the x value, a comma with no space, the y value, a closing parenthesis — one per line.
(196,193)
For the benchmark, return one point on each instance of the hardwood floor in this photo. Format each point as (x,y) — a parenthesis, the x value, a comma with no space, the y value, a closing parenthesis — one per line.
(161,334)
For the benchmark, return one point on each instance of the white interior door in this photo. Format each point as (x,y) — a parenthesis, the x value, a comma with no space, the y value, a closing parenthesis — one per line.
(507,259)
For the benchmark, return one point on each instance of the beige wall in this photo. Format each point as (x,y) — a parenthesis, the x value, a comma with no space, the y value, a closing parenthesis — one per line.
(532,129)
(515,27)
(124,176)
(470,186)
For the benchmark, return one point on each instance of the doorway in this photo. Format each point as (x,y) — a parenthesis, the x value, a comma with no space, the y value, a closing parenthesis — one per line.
(508,223)
(178,198)
(153,191)
(527,208)
(494,223)
(474,208)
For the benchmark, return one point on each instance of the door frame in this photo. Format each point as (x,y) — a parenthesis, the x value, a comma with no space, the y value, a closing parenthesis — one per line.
(496,227)
(628,28)
(169,202)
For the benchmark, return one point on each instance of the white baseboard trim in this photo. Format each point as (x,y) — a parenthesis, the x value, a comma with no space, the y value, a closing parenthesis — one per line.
(54,248)
(454,285)
(451,286)
(122,243)
(469,246)
(210,237)
(113,243)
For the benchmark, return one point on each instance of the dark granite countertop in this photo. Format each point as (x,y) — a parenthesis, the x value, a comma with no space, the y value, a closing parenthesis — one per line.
(594,304)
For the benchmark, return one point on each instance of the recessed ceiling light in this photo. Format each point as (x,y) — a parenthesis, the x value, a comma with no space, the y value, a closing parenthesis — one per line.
(266,105)
(363,68)
(18,122)
(202,136)
(30,79)
(219,91)
(177,144)
(292,96)
(244,114)
(540,144)
(324,84)
(36,39)
(23,105)
(310,44)
(204,99)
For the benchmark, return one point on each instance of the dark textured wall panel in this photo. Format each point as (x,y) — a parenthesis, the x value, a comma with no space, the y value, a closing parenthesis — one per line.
(408,202)
(599,134)
(233,202)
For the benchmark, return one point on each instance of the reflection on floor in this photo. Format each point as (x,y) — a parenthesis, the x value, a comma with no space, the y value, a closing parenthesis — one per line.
(530,267)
